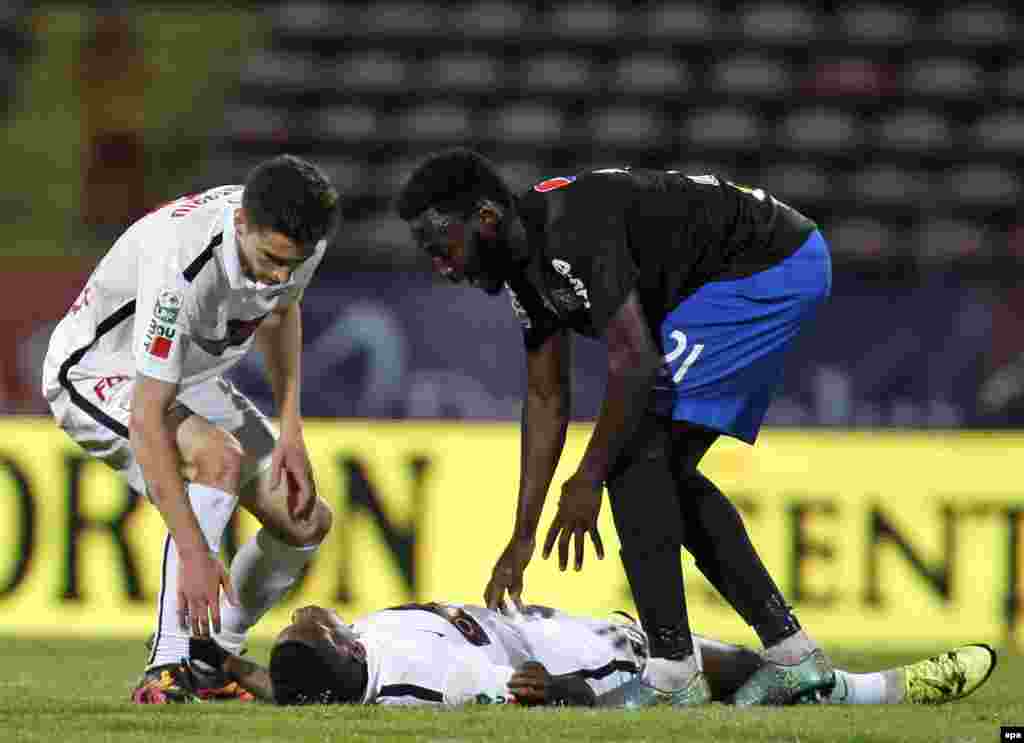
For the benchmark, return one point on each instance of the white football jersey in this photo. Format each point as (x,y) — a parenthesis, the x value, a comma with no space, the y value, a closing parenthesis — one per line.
(169,300)
(453,654)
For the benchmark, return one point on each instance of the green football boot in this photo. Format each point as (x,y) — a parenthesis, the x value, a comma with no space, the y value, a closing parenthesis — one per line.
(777,684)
(950,676)
(635,693)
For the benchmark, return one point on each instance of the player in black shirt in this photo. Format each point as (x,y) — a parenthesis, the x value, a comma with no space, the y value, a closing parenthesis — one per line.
(697,286)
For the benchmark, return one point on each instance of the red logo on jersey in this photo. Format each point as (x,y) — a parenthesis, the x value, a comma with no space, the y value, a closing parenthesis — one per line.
(552,183)
(160,347)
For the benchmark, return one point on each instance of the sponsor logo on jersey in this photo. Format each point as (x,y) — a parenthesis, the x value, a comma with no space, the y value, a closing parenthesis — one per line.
(160,339)
(579,289)
(552,183)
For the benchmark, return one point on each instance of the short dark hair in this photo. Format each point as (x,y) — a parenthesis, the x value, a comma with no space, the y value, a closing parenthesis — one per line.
(301,673)
(452,181)
(292,196)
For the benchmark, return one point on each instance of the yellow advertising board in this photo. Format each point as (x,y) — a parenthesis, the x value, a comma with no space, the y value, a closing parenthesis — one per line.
(876,538)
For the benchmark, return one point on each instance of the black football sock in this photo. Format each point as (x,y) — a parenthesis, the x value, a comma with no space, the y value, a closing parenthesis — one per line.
(717,538)
(648,522)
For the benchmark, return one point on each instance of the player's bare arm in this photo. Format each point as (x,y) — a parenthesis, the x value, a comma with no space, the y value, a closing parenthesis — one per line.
(633,360)
(251,676)
(154,442)
(279,338)
(545,420)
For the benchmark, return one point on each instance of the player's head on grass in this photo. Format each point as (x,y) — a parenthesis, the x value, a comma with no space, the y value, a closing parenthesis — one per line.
(462,214)
(288,206)
(317,659)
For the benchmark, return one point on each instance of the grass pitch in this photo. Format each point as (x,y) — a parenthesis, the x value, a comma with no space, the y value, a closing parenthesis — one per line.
(76,690)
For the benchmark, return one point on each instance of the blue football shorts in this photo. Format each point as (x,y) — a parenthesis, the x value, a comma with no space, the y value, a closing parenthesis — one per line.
(724,345)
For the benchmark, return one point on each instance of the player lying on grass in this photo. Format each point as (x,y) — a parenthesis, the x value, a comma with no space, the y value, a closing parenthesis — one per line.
(447,654)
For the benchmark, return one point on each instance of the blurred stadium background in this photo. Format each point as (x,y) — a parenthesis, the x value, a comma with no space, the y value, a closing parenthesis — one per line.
(899,129)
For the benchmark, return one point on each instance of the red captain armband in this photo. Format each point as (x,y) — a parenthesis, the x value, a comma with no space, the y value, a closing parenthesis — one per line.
(552,183)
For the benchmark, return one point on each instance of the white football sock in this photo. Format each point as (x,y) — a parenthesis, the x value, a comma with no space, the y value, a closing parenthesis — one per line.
(264,568)
(882,687)
(668,675)
(791,650)
(213,509)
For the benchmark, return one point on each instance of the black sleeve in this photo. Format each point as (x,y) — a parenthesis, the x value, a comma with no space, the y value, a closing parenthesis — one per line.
(593,240)
(538,322)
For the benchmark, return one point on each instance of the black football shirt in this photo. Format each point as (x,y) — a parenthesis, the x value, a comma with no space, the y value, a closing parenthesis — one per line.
(597,236)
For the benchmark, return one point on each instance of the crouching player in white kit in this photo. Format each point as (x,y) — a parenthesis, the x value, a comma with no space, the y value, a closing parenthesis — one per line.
(451,654)
(134,375)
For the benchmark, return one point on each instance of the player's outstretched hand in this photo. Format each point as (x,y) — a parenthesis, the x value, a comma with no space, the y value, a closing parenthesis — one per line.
(507,575)
(200,578)
(530,684)
(290,463)
(578,509)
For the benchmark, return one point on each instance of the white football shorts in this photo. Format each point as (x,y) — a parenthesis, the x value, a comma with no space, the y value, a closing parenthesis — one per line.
(95,415)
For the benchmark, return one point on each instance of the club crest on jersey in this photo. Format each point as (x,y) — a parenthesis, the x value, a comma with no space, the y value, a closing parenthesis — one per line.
(552,183)
(168,305)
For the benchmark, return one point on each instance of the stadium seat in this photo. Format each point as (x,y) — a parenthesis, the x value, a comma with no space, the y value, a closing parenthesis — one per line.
(983,185)
(914,130)
(557,72)
(248,124)
(583,21)
(347,174)
(276,69)
(653,74)
(1010,81)
(371,71)
(726,127)
(861,237)
(351,124)
(464,73)
(799,183)
(890,186)
(944,77)
(626,126)
(1000,131)
(441,123)
(819,129)
(877,23)
(396,19)
(682,21)
(940,240)
(527,123)
(778,22)
(305,18)
(491,20)
(975,24)
(751,75)
(847,77)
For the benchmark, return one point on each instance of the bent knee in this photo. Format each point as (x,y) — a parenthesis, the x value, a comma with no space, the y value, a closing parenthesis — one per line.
(313,530)
(218,463)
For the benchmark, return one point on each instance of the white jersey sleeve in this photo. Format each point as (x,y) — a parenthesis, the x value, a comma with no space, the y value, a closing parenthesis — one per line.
(161,326)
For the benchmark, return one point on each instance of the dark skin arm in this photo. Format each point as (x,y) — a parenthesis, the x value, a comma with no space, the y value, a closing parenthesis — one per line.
(545,420)
(633,361)
(252,677)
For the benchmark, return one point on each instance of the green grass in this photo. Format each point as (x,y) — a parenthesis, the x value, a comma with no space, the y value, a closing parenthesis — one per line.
(76,690)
